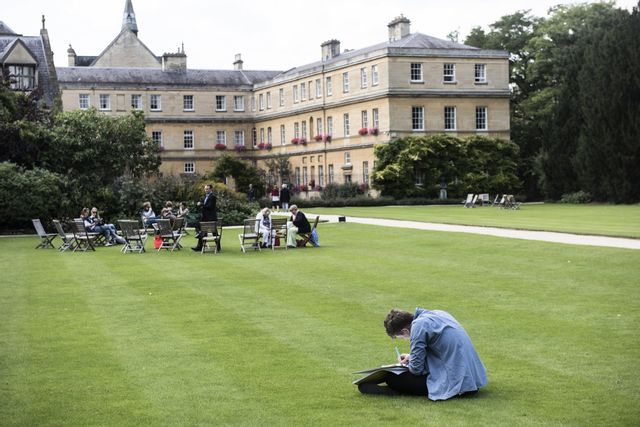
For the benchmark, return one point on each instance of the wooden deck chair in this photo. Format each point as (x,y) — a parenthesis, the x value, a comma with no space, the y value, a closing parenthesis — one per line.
(502,201)
(249,238)
(45,238)
(134,237)
(495,201)
(83,239)
(471,200)
(306,237)
(483,199)
(279,231)
(178,227)
(170,239)
(68,241)
(210,236)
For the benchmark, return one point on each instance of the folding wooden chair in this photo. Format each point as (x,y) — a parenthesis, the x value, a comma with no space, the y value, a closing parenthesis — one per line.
(83,239)
(306,237)
(470,201)
(178,228)
(45,238)
(134,238)
(249,238)
(170,239)
(210,233)
(68,241)
(279,231)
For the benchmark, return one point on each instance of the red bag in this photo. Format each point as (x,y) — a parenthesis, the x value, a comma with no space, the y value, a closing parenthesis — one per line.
(157,242)
(277,241)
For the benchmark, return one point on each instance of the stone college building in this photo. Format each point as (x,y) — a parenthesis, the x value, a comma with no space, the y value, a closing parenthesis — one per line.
(326,117)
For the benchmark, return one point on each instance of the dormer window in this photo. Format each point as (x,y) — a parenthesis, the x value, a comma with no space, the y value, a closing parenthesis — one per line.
(22,77)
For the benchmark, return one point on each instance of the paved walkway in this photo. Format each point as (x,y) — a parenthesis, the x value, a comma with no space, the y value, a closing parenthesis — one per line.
(545,236)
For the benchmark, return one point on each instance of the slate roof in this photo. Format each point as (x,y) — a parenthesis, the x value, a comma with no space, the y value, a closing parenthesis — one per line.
(5,30)
(151,76)
(36,47)
(415,43)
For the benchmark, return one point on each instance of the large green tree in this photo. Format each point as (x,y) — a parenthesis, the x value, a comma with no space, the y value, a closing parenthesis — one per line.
(242,172)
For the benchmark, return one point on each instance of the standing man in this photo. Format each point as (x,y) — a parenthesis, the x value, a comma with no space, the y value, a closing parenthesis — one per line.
(251,194)
(208,206)
(285,197)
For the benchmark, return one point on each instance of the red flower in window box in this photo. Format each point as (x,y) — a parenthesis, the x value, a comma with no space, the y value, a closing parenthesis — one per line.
(363,131)
(327,138)
(221,147)
(295,140)
(303,141)
(240,148)
(268,146)
(374,131)
(261,145)
(318,137)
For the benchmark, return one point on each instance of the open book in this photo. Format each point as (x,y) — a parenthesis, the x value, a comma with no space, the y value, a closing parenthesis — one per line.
(376,374)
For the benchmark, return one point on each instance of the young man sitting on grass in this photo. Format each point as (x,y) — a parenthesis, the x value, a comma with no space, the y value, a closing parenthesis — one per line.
(442,363)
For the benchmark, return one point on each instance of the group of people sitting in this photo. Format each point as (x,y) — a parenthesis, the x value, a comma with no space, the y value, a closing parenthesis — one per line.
(168,212)
(298,224)
(94,224)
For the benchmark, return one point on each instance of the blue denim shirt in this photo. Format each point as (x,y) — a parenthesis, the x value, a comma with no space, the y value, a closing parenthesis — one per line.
(442,350)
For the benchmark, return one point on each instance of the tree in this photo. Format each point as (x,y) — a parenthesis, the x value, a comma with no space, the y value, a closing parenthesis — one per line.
(278,170)
(243,173)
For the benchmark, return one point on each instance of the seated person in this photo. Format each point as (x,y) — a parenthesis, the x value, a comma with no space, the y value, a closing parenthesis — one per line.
(443,362)
(148,216)
(167,212)
(264,227)
(299,224)
(94,224)
(183,210)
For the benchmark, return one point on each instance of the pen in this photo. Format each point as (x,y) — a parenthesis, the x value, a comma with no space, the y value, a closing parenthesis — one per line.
(398,352)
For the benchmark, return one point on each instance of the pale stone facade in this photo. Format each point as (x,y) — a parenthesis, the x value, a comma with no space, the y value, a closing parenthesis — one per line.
(411,84)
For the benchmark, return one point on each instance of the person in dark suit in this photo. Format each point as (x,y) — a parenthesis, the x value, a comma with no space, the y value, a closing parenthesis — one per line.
(285,197)
(208,206)
(299,224)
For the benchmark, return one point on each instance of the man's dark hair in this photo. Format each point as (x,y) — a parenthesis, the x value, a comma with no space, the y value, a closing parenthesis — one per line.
(396,321)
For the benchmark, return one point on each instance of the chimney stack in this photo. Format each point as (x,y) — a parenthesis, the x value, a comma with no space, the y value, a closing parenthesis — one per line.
(399,28)
(71,54)
(237,64)
(330,49)
(175,61)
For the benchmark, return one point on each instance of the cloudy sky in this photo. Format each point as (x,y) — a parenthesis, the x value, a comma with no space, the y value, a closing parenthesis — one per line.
(270,35)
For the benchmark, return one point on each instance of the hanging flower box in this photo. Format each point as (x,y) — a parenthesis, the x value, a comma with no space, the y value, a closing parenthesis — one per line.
(363,131)
(295,141)
(374,131)
(318,137)
(221,147)
(261,146)
(240,148)
(327,138)
(268,146)
(303,141)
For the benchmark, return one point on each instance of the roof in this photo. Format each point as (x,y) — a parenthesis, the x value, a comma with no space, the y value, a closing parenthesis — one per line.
(152,76)
(6,31)
(36,47)
(413,44)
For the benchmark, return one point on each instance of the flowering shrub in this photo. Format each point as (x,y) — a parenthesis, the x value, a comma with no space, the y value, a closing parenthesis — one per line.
(327,138)
(373,131)
(363,131)
(240,148)
(295,140)
(221,147)
(318,137)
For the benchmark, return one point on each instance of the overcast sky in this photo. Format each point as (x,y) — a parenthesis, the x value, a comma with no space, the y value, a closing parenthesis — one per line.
(270,35)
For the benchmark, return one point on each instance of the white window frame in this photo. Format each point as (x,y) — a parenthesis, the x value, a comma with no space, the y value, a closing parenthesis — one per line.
(156,136)
(22,77)
(364,83)
(155,102)
(296,94)
(329,86)
(281,97)
(319,128)
(189,167)
(221,103)
(480,73)
(375,75)
(331,174)
(261,102)
(450,118)
(416,73)
(303,91)
(238,103)
(84,101)
(269,136)
(482,117)
(346,124)
(329,125)
(253,103)
(268,100)
(321,175)
(417,118)
(136,101)
(303,129)
(364,117)
(375,118)
(187,103)
(104,102)
(188,140)
(238,138)
(365,172)
(347,157)
(296,130)
(318,88)
(345,82)
(449,72)
(283,135)
(221,137)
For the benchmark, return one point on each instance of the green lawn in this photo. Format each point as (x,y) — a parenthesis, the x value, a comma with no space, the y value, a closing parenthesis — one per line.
(607,220)
(267,339)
